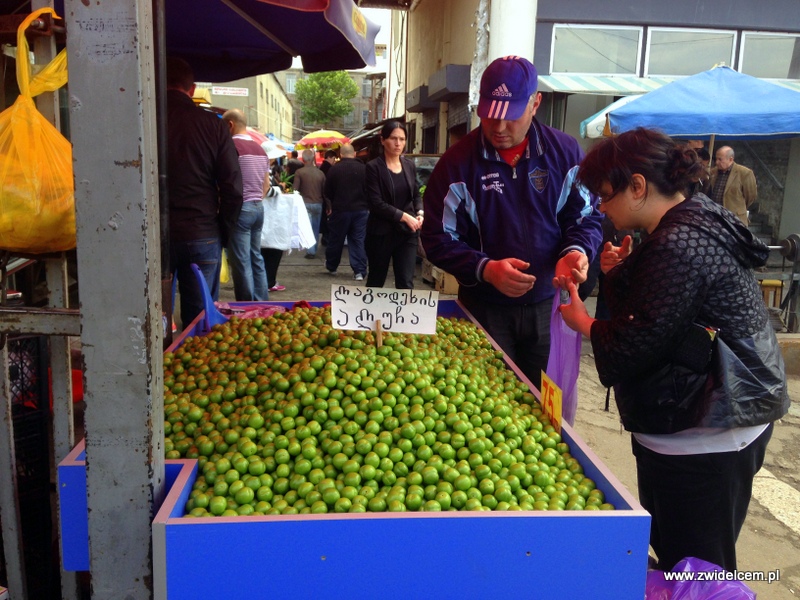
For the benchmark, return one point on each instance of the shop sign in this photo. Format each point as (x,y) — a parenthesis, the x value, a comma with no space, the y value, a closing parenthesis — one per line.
(221,90)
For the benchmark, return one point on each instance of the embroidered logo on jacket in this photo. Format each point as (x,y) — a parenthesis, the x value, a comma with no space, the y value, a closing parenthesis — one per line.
(538,178)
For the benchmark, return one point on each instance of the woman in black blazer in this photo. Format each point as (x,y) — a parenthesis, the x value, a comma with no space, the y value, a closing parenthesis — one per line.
(395,211)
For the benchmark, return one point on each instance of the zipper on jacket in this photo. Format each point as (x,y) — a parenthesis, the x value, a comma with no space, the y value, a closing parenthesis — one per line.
(514,172)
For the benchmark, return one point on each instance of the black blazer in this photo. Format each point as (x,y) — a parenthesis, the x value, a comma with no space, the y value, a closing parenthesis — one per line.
(386,210)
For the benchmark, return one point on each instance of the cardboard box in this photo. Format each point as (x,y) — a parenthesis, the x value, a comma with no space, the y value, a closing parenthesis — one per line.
(446,283)
(427,271)
(601,555)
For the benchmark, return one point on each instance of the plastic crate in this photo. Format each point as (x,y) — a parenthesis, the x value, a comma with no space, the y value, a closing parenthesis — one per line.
(28,366)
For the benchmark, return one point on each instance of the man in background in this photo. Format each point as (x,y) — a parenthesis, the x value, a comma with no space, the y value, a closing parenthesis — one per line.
(732,185)
(292,165)
(244,238)
(204,186)
(348,210)
(309,181)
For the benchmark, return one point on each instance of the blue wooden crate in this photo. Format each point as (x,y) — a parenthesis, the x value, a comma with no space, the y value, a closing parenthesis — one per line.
(582,554)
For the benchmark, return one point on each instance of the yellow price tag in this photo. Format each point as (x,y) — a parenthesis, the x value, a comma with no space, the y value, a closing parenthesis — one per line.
(551,401)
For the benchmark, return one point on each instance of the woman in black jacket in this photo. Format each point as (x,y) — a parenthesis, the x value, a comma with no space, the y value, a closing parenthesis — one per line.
(697,371)
(395,211)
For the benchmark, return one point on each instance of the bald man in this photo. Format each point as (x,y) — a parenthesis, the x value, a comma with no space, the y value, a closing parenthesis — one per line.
(732,185)
(244,238)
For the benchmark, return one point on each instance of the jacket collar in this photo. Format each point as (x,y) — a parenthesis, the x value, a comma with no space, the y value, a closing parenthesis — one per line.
(536,143)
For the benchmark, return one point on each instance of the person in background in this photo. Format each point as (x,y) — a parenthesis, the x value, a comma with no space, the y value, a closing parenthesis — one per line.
(272,256)
(732,185)
(327,162)
(395,211)
(292,165)
(701,185)
(696,368)
(205,189)
(244,238)
(505,216)
(309,181)
(348,210)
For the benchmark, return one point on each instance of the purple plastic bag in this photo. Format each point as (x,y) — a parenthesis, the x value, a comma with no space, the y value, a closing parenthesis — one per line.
(564,364)
(658,588)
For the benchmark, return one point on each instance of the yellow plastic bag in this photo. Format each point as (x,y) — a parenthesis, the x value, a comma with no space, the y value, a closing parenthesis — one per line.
(37,198)
(224,270)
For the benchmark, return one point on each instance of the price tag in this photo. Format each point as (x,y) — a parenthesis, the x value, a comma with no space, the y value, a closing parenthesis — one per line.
(401,311)
(551,401)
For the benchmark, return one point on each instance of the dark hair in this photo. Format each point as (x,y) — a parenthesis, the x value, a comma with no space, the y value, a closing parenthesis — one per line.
(390,126)
(179,74)
(330,154)
(703,154)
(670,167)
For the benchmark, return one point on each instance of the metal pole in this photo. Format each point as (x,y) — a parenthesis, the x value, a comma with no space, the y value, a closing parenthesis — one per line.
(112,88)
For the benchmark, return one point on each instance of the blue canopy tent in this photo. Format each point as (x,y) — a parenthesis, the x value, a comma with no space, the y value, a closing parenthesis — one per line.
(718,102)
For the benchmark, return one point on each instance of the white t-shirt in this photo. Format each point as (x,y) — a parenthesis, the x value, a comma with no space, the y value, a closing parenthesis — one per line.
(700,440)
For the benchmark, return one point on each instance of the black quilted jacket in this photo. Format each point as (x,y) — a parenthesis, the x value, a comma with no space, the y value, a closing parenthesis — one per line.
(695,267)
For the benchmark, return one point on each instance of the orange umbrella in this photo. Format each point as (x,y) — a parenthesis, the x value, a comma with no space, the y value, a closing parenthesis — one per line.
(324,139)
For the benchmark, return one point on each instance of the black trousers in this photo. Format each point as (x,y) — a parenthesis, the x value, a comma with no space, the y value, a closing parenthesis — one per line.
(272,260)
(397,247)
(698,502)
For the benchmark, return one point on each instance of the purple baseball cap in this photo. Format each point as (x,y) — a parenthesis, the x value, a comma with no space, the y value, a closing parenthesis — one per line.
(506,86)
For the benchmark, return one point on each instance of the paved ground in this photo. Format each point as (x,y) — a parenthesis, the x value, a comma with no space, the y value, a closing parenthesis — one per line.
(770,539)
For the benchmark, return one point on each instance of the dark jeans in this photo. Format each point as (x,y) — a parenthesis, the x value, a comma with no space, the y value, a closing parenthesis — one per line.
(398,248)
(522,331)
(698,502)
(205,253)
(272,260)
(350,224)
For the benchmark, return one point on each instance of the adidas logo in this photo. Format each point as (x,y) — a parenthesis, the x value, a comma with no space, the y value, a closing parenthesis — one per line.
(501,90)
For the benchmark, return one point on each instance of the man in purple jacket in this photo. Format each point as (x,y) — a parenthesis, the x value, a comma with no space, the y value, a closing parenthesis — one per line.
(505,216)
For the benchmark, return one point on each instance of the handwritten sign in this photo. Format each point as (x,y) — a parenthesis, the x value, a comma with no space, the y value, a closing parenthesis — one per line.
(399,311)
(551,401)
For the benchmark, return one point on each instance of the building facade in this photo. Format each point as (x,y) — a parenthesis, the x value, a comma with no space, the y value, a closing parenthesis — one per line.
(588,54)
(262,99)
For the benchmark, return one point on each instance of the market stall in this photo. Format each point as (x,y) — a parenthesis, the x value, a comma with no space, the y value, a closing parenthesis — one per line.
(601,553)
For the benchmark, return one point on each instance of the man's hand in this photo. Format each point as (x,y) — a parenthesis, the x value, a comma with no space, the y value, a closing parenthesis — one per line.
(508,276)
(572,267)
(612,255)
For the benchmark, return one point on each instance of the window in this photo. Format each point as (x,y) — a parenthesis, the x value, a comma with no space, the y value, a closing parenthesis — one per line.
(771,55)
(364,117)
(291,80)
(366,87)
(261,89)
(598,50)
(688,51)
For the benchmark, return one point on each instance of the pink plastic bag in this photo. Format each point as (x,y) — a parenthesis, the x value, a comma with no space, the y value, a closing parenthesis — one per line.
(658,588)
(564,364)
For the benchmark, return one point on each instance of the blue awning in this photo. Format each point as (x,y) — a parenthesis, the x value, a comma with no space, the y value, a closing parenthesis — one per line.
(611,85)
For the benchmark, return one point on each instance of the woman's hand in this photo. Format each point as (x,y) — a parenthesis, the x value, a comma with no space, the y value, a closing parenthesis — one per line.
(508,276)
(413,223)
(574,314)
(612,255)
